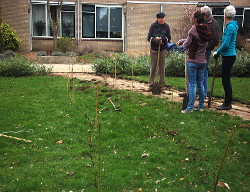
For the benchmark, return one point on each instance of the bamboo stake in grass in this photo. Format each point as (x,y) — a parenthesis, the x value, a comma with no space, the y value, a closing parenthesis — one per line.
(72,85)
(99,142)
(223,159)
(114,79)
(17,138)
(133,75)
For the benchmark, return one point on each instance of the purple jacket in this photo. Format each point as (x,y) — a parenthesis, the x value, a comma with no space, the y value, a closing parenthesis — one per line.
(196,43)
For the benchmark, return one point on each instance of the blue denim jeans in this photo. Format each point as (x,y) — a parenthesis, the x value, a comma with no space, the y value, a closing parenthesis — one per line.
(208,53)
(195,72)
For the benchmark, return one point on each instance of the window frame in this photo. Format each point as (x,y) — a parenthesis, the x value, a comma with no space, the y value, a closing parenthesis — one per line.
(95,21)
(47,28)
(242,15)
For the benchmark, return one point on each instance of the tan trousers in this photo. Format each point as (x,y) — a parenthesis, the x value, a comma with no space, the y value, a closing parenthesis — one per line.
(153,65)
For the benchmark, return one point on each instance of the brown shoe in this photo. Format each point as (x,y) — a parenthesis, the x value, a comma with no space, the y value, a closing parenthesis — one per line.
(149,89)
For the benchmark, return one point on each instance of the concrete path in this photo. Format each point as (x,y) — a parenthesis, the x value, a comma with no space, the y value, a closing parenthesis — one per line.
(65,68)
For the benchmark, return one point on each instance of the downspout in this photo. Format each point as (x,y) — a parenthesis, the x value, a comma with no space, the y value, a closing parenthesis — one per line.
(78,23)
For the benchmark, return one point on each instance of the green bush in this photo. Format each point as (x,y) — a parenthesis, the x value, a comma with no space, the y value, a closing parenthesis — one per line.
(241,67)
(9,39)
(18,66)
(9,53)
(122,64)
(70,54)
(42,53)
(65,44)
(174,65)
(57,54)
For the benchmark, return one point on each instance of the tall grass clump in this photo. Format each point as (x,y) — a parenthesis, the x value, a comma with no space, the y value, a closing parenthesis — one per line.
(18,66)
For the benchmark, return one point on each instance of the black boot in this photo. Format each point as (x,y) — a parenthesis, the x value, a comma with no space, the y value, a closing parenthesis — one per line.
(224,107)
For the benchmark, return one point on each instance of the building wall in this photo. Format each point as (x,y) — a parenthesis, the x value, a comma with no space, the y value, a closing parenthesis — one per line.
(16,14)
(138,23)
(137,19)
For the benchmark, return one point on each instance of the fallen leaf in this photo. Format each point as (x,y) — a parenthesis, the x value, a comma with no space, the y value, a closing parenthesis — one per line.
(145,155)
(69,173)
(181,179)
(221,184)
(140,189)
(245,142)
(59,142)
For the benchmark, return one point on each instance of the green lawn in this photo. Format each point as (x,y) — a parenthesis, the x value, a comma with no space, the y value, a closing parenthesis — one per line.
(131,149)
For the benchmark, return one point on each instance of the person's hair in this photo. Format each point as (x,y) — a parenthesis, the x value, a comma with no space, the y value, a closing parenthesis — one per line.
(160,15)
(207,10)
(229,12)
(199,16)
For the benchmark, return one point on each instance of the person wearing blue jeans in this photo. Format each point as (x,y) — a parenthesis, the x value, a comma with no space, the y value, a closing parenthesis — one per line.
(205,81)
(228,52)
(214,27)
(195,73)
(196,43)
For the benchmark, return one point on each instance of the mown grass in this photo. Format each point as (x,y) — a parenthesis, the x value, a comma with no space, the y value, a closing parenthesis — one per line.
(149,144)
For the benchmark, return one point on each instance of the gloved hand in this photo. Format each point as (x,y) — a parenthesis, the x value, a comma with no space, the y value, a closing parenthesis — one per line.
(158,40)
(216,55)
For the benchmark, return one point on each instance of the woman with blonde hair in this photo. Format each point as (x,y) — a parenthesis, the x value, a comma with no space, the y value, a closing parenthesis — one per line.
(228,52)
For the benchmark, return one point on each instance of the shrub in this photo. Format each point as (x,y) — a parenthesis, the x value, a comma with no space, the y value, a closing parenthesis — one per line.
(42,53)
(9,39)
(70,54)
(57,54)
(65,44)
(9,53)
(175,66)
(18,66)
(240,68)
(122,65)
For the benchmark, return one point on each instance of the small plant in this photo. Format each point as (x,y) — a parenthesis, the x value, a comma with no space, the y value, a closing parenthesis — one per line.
(65,44)
(57,53)
(42,53)
(40,26)
(18,66)
(9,53)
(70,54)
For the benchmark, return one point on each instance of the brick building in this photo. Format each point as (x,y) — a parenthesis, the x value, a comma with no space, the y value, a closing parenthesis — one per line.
(119,26)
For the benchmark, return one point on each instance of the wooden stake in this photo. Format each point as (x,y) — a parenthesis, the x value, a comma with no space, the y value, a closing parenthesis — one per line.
(28,141)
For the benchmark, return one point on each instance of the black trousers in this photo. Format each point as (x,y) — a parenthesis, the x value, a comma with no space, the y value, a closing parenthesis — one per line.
(227,64)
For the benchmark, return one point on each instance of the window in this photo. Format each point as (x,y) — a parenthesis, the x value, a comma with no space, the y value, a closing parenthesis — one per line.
(101,21)
(68,21)
(242,17)
(39,20)
(41,23)
(246,23)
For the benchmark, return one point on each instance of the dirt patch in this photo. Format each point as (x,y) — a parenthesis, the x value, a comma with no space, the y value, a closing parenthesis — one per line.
(239,109)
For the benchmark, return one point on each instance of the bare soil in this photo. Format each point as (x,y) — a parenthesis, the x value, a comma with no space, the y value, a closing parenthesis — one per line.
(238,109)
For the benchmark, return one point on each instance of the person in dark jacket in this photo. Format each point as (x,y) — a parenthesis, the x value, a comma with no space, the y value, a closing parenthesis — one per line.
(158,35)
(228,52)
(196,43)
(214,27)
